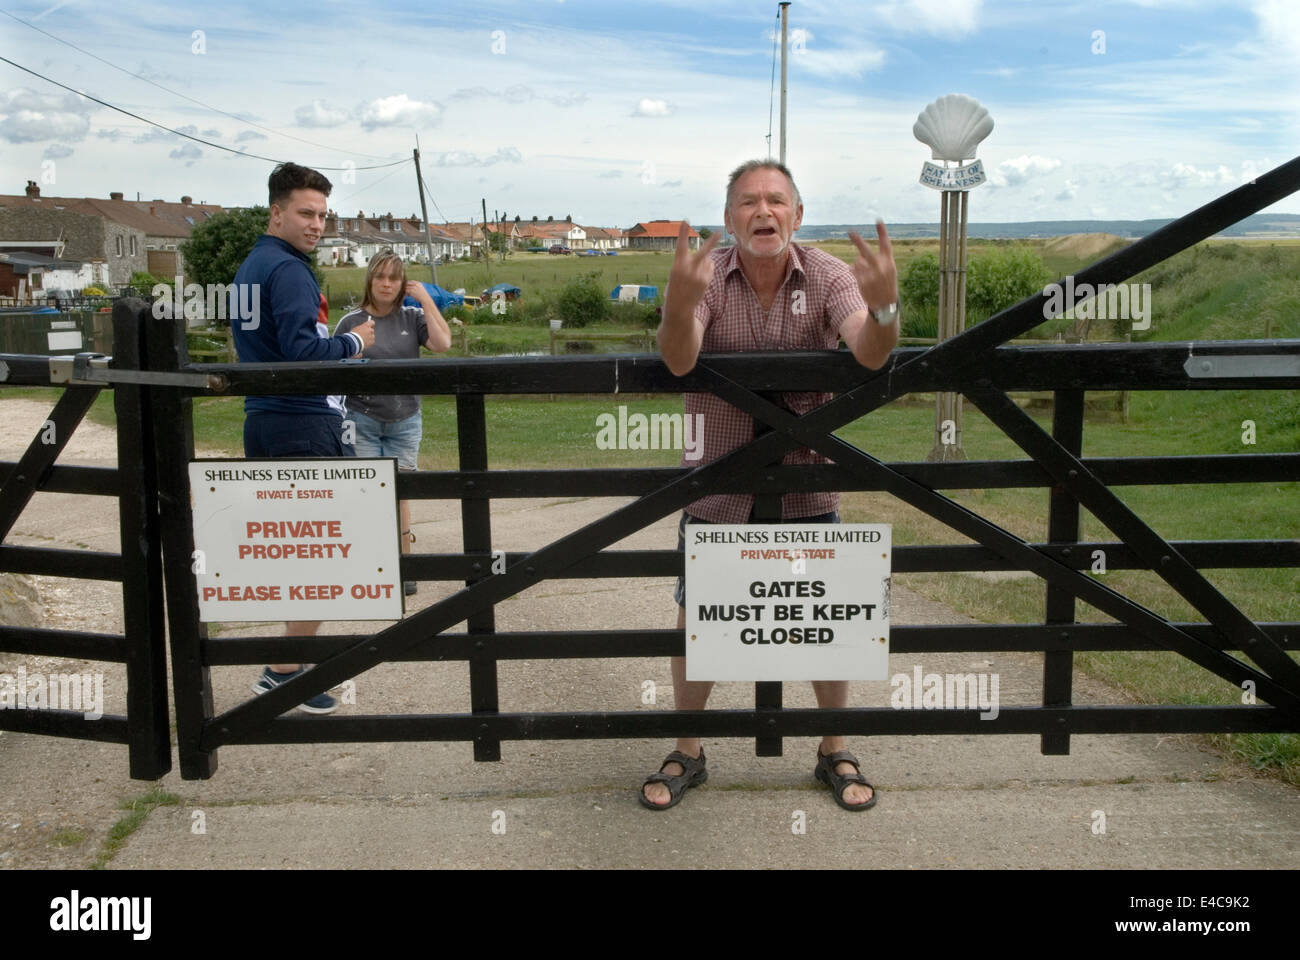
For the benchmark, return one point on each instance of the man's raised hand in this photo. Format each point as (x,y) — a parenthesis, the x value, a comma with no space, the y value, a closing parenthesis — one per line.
(691,272)
(876,272)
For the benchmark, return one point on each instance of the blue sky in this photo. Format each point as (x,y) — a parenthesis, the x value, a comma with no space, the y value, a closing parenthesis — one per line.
(616,112)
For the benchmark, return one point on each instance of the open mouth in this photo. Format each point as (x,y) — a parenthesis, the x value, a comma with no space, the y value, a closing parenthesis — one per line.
(765,232)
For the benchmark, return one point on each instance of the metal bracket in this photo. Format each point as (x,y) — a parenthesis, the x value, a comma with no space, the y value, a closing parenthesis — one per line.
(1271,365)
(93,368)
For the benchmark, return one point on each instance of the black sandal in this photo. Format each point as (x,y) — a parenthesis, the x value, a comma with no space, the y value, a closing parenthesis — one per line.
(692,775)
(825,772)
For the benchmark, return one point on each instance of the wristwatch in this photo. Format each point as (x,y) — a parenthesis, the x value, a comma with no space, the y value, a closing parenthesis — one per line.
(885,315)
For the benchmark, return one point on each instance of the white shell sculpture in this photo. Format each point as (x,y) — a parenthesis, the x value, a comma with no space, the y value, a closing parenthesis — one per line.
(953,126)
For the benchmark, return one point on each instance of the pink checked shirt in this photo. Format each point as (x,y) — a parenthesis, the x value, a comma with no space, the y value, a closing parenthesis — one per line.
(733,321)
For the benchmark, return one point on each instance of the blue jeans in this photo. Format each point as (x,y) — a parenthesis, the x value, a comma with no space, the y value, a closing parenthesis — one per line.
(383,438)
(294,436)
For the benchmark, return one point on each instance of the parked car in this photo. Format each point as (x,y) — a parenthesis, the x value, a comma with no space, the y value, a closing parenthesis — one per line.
(560,248)
(611,253)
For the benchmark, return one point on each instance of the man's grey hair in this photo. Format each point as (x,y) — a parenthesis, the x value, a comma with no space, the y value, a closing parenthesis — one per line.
(768,164)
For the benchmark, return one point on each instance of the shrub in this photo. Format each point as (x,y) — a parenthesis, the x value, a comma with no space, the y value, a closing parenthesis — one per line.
(143,283)
(1000,279)
(635,314)
(458,312)
(582,301)
(919,291)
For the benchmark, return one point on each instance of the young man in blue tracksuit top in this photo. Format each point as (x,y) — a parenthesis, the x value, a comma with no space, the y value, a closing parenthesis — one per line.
(285,324)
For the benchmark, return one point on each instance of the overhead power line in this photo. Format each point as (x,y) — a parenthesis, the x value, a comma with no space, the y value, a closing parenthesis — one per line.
(160,126)
(177,93)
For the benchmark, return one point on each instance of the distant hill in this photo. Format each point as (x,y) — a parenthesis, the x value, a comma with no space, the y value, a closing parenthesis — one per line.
(1256,225)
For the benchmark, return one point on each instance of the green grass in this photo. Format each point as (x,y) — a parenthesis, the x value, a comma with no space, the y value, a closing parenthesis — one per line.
(138,810)
(68,838)
(534,273)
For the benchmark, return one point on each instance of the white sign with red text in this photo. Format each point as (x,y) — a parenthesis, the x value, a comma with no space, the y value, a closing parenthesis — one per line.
(787,601)
(296,539)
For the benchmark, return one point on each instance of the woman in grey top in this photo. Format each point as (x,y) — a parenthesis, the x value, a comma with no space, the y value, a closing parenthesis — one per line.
(390,426)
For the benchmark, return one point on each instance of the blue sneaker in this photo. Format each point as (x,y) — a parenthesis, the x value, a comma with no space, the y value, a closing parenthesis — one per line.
(269,680)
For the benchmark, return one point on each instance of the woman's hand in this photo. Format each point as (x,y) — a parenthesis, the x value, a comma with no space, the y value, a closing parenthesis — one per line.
(414,288)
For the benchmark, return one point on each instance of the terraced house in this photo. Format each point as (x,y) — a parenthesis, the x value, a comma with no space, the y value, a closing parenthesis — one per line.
(127,235)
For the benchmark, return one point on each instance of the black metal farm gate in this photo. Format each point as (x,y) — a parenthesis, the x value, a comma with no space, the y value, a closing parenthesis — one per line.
(155,385)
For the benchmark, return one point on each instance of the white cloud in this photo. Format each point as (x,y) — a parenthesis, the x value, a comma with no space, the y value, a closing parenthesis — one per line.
(320,114)
(247,135)
(1185,174)
(1069,192)
(159,135)
(519,93)
(189,153)
(1279,23)
(399,109)
(654,108)
(839,63)
(56,151)
(28,117)
(1012,173)
(609,175)
(463,158)
(939,18)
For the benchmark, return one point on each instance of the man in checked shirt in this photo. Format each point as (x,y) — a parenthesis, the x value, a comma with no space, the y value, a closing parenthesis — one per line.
(767,293)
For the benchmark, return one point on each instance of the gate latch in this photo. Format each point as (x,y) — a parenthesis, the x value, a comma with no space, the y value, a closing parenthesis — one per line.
(90,368)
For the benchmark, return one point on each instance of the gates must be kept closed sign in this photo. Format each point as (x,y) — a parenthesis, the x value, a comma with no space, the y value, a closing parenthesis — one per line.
(787,601)
(296,539)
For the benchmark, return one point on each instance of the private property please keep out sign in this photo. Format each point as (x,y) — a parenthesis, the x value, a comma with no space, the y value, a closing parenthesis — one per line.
(296,539)
(787,601)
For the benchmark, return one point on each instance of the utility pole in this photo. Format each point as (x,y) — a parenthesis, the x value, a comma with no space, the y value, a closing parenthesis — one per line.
(487,242)
(424,212)
(785,35)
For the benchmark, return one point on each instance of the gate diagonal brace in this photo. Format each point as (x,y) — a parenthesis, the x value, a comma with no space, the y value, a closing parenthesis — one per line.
(949,357)
(39,456)
(1153,549)
(1008,545)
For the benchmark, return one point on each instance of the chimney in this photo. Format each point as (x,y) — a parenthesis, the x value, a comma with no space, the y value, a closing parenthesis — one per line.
(115,195)
(187,200)
(33,191)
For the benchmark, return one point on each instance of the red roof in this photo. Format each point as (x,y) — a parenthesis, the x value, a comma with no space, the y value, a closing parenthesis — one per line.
(660,228)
